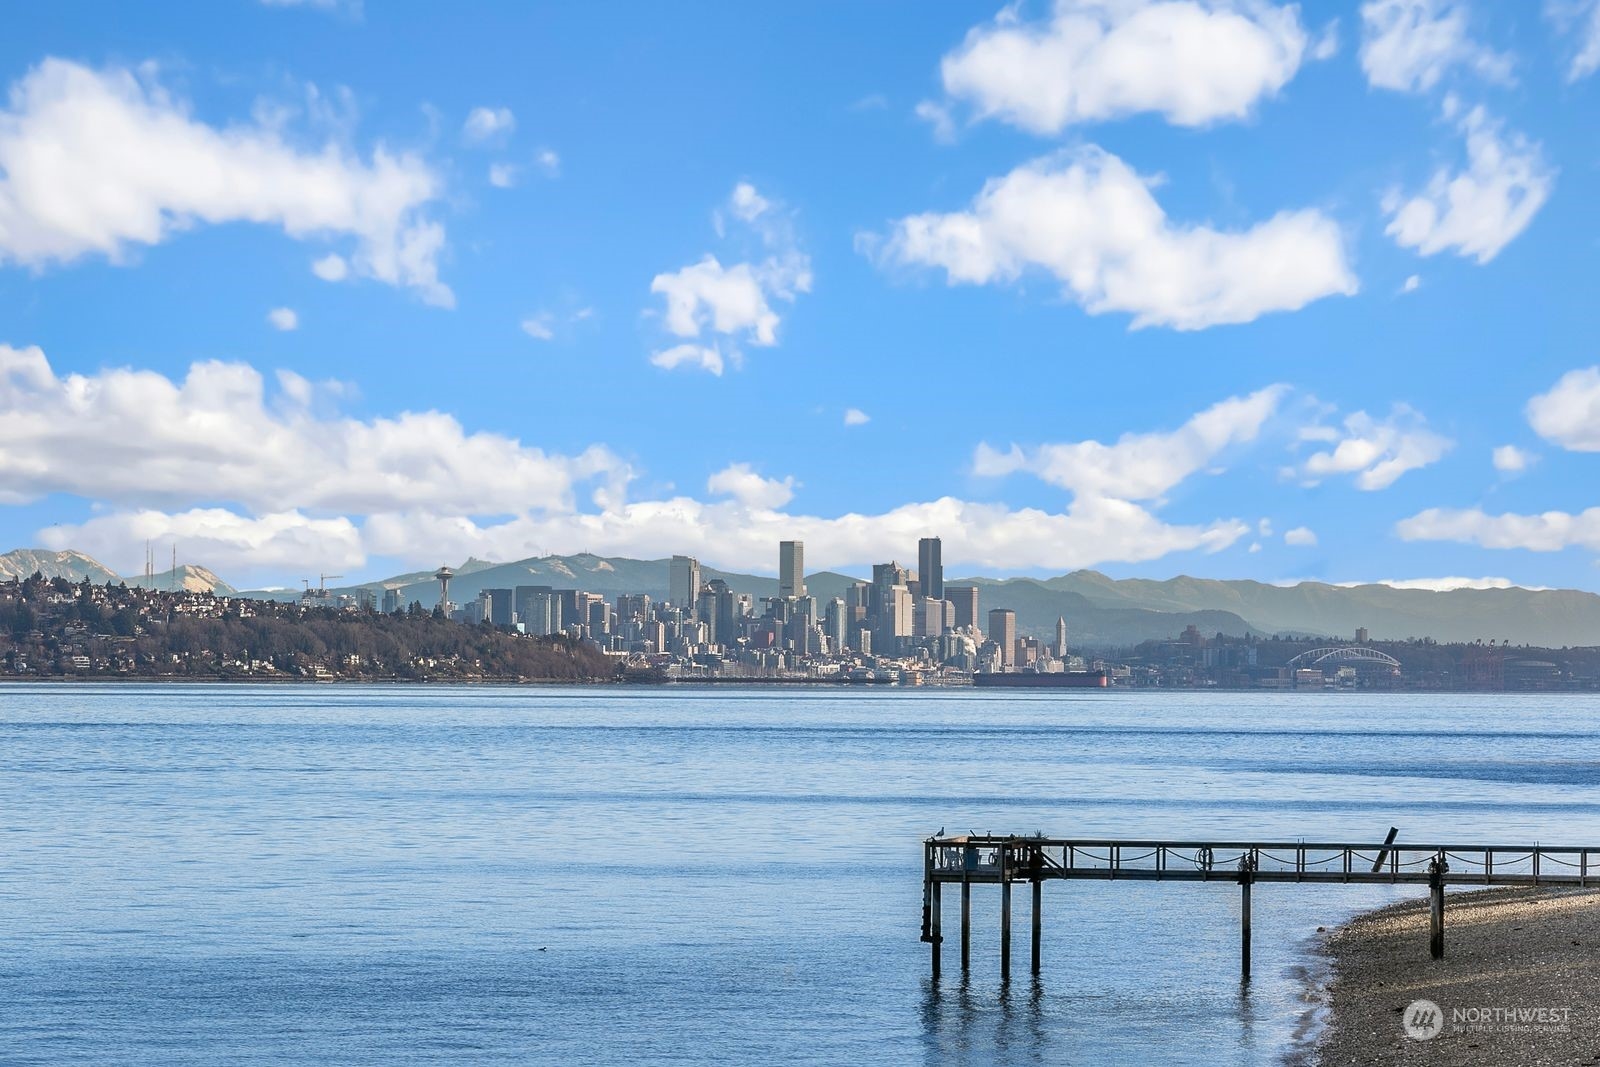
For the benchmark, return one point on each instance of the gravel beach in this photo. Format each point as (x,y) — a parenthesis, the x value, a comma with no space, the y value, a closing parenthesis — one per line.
(1508,954)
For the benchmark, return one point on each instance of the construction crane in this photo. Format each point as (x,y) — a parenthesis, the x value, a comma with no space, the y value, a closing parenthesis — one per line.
(323,583)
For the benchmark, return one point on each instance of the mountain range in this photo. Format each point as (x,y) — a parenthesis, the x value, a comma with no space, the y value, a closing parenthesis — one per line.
(1100,611)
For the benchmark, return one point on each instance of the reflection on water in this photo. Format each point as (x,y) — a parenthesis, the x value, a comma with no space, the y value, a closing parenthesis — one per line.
(259,875)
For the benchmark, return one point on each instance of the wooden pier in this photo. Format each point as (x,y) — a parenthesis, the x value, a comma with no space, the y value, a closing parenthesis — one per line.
(1007,861)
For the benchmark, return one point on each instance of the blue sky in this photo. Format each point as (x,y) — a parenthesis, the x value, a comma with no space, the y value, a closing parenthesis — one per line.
(1221,288)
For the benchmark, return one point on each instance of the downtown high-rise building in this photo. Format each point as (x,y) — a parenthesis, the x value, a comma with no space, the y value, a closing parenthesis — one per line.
(791,568)
(930,567)
(965,598)
(1003,632)
(683,582)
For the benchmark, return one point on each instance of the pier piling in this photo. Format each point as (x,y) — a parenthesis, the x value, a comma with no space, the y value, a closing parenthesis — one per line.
(1005,917)
(937,917)
(1436,872)
(966,926)
(1038,898)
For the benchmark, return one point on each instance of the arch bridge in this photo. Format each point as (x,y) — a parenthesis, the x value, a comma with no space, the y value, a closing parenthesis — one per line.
(1318,657)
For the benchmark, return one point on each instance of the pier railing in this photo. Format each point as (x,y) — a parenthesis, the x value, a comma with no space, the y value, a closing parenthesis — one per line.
(1005,861)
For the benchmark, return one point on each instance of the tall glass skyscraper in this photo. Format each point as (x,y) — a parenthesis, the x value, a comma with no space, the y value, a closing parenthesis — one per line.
(930,567)
(791,568)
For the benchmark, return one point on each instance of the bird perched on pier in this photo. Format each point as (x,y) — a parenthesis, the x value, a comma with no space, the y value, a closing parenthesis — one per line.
(940,833)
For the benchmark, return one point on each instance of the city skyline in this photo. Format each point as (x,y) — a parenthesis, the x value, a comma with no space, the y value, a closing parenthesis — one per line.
(537,285)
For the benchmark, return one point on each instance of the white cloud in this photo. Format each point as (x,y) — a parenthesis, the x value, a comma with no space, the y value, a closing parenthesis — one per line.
(1411,284)
(706,357)
(937,116)
(1444,585)
(96,161)
(247,477)
(707,295)
(1376,452)
(137,437)
(502,175)
(1581,20)
(540,327)
(732,301)
(1085,217)
(1509,459)
(747,204)
(1194,62)
(1550,531)
(331,268)
(488,124)
(732,535)
(221,539)
(742,483)
(1300,536)
(1569,414)
(1478,211)
(1139,466)
(856,417)
(283,319)
(1409,45)
(549,161)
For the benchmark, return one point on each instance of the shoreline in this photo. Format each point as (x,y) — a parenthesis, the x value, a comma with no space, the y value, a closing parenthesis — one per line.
(1516,985)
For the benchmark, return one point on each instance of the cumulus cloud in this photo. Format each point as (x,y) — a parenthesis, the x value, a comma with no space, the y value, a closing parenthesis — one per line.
(740,481)
(735,302)
(1580,20)
(549,161)
(1377,452)
(1409,45)
(331,268)
(137,437)
(856,417)
(736,536)
(1550,531)
(1300,536)
(283,319)
(1139,466)
(1509,459)
(485,124)
(706,357)
(1569,414)
(540,327)
(1475,212)
(246,476)
(502,175)
(95,161)
(1085,217)
(1411,284)
(221,539)
(1194,62)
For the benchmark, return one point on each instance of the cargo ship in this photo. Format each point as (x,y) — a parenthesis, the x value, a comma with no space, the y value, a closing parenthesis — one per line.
(1040,680)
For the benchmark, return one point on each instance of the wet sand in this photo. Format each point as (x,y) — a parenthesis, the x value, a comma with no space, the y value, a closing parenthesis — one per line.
(1519,950)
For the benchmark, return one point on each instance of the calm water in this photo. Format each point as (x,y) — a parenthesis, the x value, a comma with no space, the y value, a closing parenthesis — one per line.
(200,875)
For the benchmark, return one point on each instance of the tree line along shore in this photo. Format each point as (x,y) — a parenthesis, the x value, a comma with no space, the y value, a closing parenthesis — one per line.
(53,628)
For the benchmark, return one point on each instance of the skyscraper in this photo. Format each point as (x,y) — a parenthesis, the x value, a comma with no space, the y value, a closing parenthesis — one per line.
(1061,638)
(965,598)
(791,568)
(1003,632)
(930,567)
(683,582)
